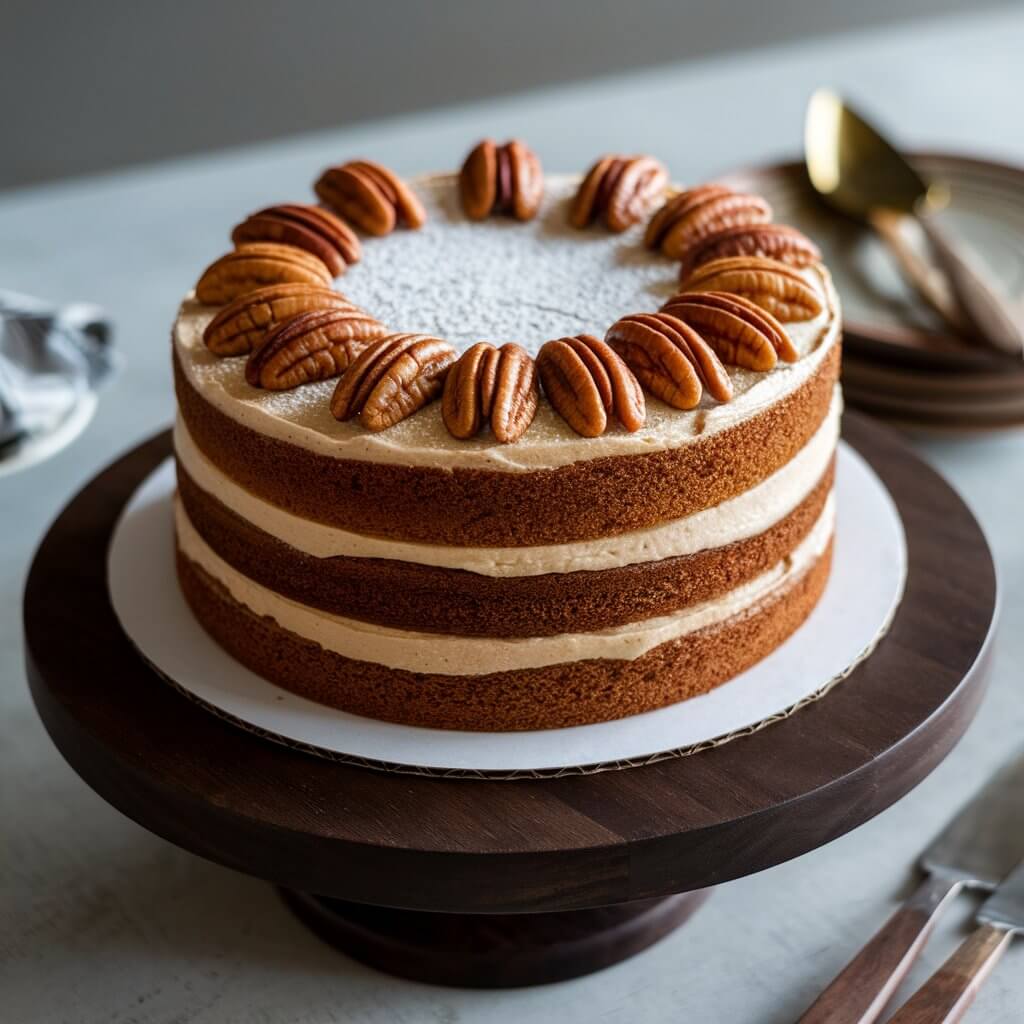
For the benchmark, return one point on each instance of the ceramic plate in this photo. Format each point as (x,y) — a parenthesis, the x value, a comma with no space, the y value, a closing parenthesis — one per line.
(882,314)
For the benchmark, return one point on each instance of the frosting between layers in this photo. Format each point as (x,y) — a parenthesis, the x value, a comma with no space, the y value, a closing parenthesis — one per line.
(503,281)
(739,518)
(462,656)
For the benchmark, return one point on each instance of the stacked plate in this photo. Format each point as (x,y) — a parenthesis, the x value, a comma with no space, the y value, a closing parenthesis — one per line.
(899,360)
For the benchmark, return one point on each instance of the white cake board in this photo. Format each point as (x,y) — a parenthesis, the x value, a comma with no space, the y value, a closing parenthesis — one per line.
(868,574)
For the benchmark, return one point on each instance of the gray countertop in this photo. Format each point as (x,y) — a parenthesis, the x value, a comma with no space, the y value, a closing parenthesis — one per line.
(103,922)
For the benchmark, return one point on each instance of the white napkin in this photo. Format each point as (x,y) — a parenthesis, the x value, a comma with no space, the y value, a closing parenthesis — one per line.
(49,357)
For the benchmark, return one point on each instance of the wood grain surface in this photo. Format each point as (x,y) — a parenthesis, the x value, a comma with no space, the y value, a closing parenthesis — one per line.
(948,994)
(493,950)
(861,991)
(497,847)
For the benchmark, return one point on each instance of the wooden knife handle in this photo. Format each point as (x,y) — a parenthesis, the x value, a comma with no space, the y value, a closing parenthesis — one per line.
(994,318)
(923,276)
(859,993)
(946,996)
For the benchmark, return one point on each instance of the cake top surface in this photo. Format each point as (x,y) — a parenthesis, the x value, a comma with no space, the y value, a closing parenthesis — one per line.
(498,280)
(503,280)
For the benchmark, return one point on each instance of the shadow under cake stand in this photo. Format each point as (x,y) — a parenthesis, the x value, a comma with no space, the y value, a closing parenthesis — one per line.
(482,882)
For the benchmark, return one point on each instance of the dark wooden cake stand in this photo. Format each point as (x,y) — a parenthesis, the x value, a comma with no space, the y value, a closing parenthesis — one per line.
(499,883)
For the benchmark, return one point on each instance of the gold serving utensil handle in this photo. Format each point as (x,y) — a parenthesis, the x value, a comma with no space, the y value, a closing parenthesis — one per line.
(985,308)
(923,276)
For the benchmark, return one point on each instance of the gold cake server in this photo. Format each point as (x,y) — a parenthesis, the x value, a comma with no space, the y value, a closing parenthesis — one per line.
(860,174)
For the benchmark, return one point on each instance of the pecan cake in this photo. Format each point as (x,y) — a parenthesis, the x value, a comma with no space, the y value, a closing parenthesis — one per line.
(553,450)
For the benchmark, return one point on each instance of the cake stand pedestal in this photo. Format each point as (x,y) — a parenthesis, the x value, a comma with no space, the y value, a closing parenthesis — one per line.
(492,950)
(483,882)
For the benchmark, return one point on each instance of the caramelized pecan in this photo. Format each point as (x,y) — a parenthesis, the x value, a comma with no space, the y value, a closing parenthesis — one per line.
(774,241)
(676,206)
(311,346)
(670,359)
(242,325)
(501,180)
(468,386)
(585,381)
(312,228)
(693,215)
(391,379)
(740,332)
(487,383)
(256,265)
(775,287)
(370,196)
(620,189)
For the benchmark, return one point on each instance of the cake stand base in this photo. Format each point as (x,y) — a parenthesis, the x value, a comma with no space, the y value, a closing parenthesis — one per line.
(492,950)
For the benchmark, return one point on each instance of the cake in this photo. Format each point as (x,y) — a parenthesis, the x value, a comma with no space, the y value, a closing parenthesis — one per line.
(604,544)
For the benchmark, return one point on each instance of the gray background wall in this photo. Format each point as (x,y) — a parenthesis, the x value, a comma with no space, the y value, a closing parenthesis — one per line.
(87,85)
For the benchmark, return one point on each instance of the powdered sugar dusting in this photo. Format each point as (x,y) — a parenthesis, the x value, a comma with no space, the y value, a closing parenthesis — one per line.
(501,280)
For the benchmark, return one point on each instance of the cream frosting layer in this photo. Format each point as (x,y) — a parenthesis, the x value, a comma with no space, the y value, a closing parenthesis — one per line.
(462,656)
(503,281)
(739,518)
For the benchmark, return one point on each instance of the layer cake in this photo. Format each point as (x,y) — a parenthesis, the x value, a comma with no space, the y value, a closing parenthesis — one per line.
(413,576)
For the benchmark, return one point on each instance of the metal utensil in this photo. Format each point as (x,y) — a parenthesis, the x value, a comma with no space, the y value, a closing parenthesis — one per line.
(978,848)
(947,995)
(858,172)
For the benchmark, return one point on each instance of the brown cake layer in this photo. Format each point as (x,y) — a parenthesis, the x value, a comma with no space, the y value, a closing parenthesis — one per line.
(472,507)
(554,696)
(424,598)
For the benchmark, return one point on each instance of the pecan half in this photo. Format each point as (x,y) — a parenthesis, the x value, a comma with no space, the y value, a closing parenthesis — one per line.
(691,216)
(774,286)
(391,379)
(370,196)
(488,383)
(256,265)
(312,228)
(501,180)
(740,332)
(242,325)
(774,241)
(585,380)
(670,359)
(311,346)
(620,189)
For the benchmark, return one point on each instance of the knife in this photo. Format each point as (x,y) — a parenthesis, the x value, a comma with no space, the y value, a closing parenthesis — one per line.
(946,996)
(978,848)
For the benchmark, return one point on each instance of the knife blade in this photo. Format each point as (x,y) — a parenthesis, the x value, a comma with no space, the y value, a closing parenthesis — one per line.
(977,849)
(980,846)
(1005,907)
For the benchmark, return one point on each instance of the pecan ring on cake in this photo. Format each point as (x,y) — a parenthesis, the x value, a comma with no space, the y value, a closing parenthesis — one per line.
(725,309)
(622,502)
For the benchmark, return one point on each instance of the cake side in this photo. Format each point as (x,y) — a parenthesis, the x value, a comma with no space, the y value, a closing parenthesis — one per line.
(583,500)
(411,596)
(734,519)
(553,696)
(514,591)
(454,654)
